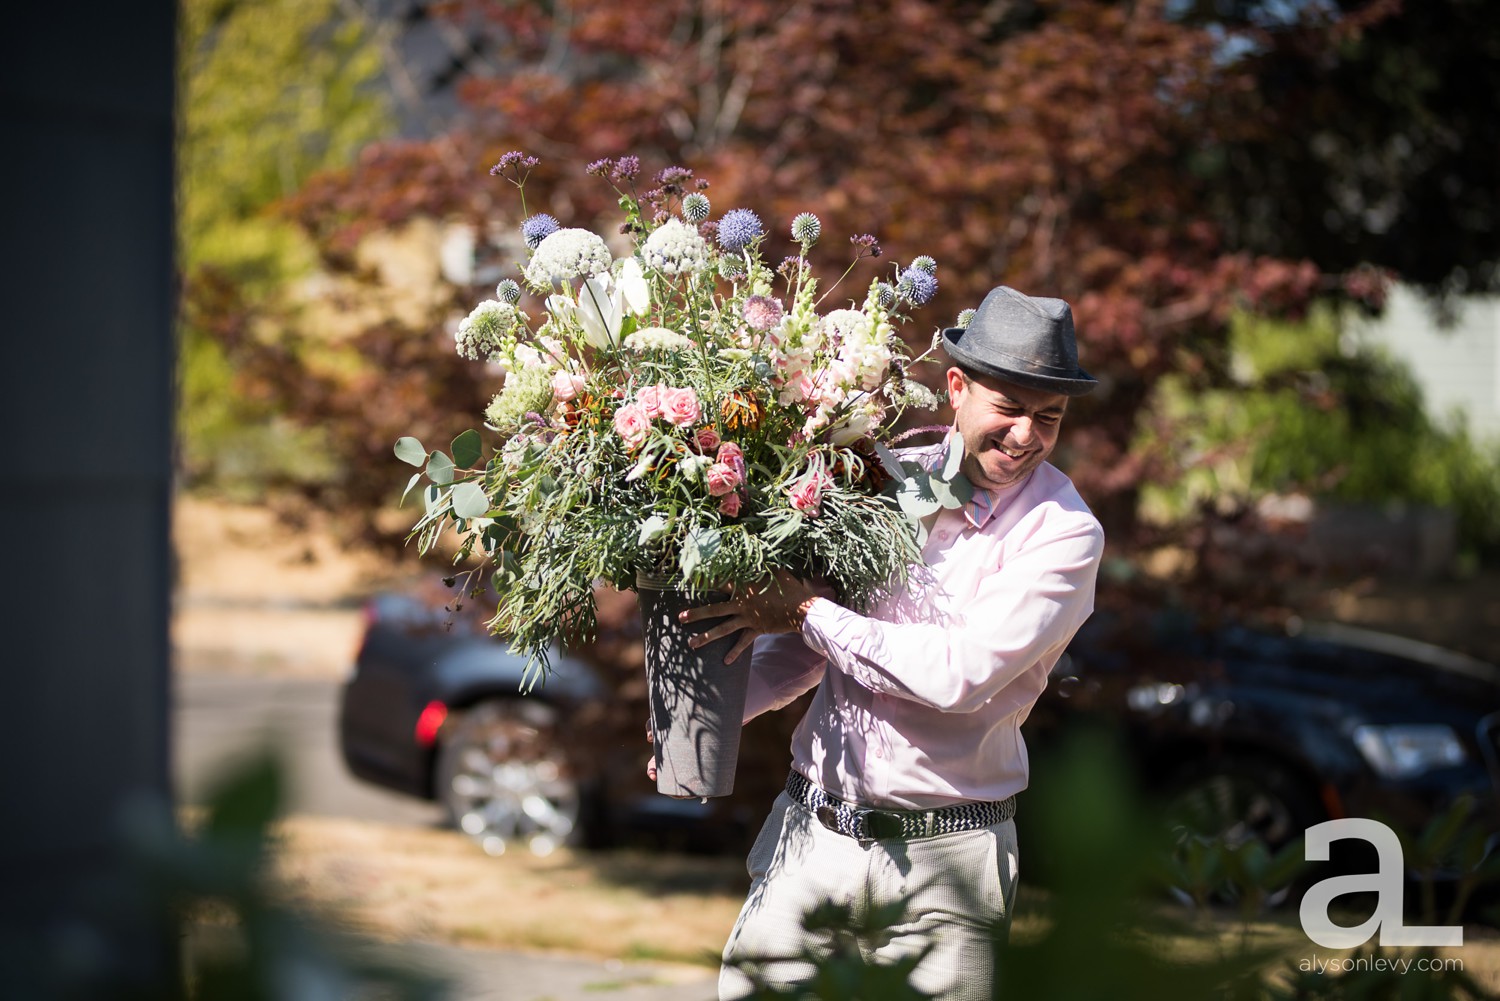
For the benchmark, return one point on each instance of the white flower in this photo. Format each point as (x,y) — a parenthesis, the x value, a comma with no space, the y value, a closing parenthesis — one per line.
(657,339)
(843,325)
(675,248)
(603,302)
(866,415)
(565,255)
(914,394)
(484,331)
(692,466)
(636,292)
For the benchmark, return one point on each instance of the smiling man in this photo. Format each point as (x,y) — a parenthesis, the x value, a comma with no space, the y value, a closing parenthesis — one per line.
(906,767)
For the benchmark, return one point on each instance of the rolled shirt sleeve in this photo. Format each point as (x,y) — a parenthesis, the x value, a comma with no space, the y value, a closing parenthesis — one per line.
(782,667)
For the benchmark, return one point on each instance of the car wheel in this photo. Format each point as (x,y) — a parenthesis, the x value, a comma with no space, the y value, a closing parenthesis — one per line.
(504,779)
(1236,801)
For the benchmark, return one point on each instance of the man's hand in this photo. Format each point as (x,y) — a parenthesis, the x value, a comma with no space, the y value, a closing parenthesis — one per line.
(778,606)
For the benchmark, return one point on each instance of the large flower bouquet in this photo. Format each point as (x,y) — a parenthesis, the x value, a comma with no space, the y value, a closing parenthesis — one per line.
(681,411)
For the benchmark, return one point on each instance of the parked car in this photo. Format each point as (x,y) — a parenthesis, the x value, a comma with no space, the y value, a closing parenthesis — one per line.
(1262,735)
(434,708)
(1279,731)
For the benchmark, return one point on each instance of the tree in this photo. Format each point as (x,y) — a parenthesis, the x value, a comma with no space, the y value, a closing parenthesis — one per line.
(1084,148)
(270,93)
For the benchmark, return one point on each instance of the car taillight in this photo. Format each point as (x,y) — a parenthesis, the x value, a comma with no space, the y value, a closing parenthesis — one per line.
(429,723)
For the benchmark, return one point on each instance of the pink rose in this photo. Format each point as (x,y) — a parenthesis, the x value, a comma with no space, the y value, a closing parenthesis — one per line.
(632,425)
(732,456)
(567,385)
(680,406)
(650,399)
(707,439)
(729,506)
(807,493)
(722,479)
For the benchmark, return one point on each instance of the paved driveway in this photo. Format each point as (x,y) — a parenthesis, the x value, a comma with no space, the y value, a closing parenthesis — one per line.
(219,717)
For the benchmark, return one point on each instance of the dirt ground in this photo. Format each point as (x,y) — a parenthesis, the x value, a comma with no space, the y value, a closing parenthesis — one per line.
(254,596)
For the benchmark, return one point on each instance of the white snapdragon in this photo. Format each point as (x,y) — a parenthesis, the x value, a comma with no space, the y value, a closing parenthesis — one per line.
(565,255)
(675,248)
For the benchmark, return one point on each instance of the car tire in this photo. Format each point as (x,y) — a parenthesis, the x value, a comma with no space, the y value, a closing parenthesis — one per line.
(1242,799)
(504,779)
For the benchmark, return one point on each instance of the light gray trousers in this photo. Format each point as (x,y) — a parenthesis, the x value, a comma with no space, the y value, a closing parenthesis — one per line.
(959,889)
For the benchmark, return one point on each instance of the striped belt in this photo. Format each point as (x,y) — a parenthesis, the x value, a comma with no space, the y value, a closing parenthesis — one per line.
(866,824)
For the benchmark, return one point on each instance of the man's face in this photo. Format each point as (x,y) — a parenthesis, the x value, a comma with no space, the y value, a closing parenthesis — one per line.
(1008,429)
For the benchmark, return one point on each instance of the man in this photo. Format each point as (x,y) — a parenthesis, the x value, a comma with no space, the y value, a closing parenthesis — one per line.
(918,713)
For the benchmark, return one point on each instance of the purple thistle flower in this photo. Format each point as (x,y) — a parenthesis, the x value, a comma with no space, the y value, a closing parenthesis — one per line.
(865,246)
(625,168)
(885,294)
(537,228)
(738,229)
(925,263)
(917,286)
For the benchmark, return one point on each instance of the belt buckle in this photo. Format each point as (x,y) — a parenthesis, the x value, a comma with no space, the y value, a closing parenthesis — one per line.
(876,825)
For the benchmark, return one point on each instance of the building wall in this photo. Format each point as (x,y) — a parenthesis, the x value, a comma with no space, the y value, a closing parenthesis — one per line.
(1458,367)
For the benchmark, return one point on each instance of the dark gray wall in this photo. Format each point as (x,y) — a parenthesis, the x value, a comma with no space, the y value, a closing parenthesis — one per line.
(86,94)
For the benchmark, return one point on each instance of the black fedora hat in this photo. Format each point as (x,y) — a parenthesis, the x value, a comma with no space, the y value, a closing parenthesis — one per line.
(1022,339)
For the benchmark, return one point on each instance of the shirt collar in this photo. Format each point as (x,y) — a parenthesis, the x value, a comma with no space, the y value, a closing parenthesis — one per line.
(985,504)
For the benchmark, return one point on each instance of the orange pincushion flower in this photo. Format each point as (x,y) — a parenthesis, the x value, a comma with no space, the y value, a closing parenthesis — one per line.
(742,411)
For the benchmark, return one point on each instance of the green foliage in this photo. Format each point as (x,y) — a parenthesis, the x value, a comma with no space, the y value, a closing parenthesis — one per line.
(270,92)
(1309,415)
(207,894)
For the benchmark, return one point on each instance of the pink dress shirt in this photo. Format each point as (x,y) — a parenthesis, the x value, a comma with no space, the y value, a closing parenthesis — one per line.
(922,700)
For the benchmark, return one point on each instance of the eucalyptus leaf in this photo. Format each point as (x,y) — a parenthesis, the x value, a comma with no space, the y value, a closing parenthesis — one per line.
(415,479)
(652,528)
(708,542)
(410,451)
(945,495)
(955,456)
(917,498)
(432,499)
(689,559)
(890,461)
(470,501)
(440,469)
(467,448)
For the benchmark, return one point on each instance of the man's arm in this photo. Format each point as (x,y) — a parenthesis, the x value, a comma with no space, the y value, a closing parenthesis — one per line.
(1032,604)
